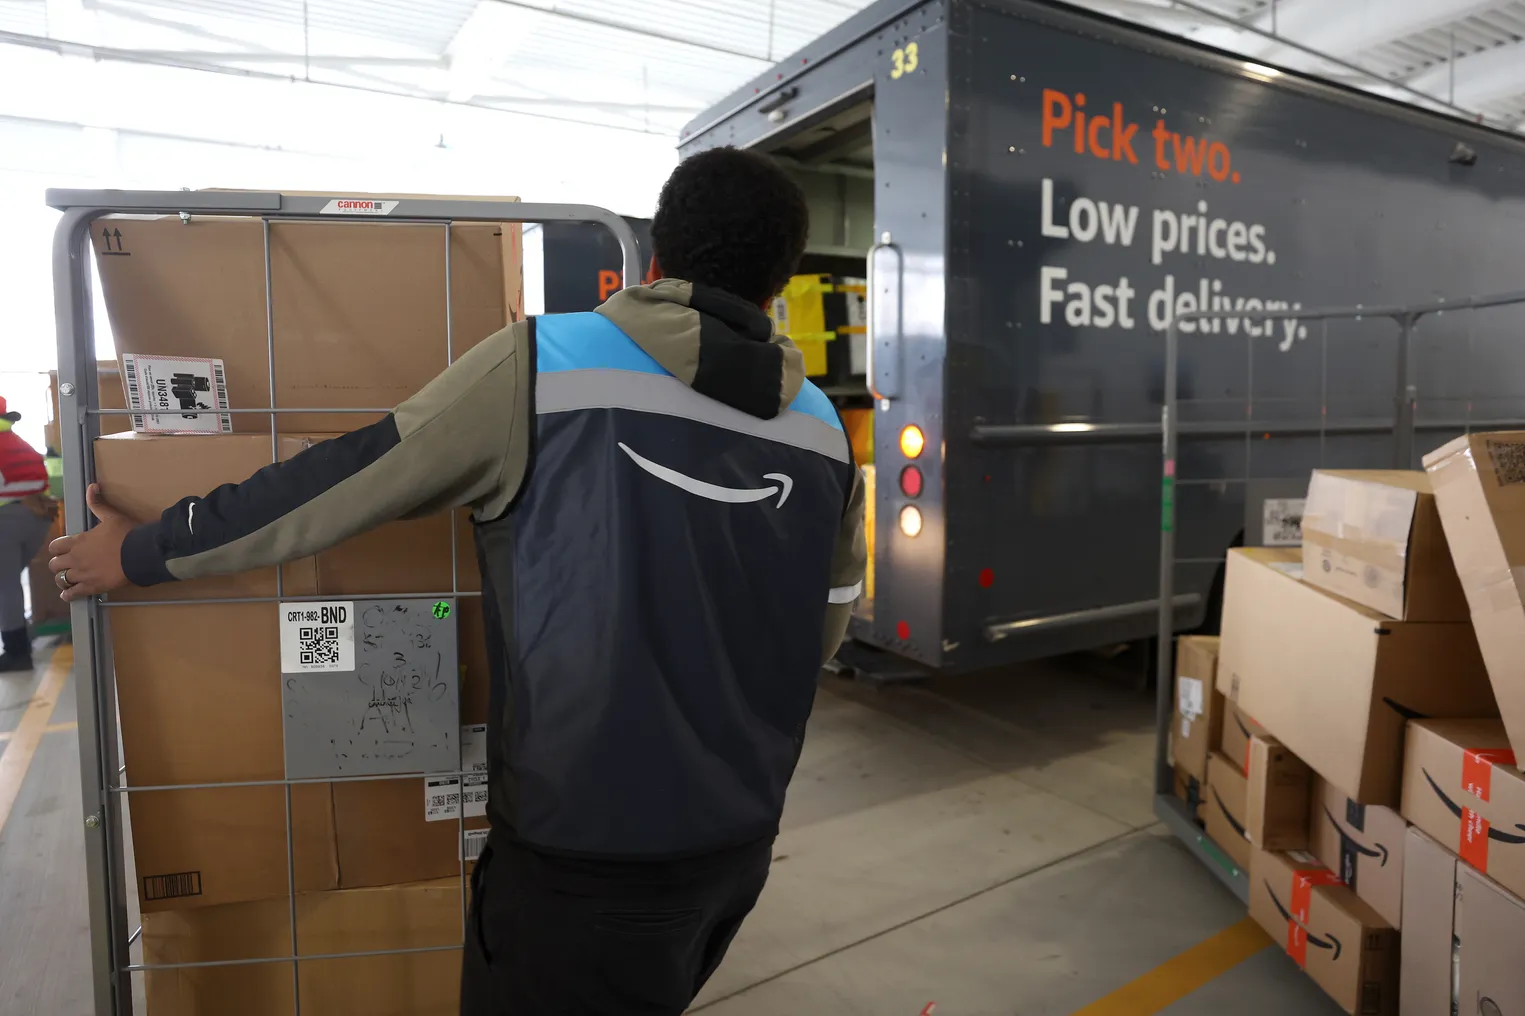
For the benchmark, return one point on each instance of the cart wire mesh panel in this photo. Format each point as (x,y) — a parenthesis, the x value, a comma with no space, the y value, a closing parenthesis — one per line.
(1255,442)
(106,783)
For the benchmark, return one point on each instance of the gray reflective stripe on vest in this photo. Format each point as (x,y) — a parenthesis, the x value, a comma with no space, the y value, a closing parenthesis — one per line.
(845,594)
(567,390)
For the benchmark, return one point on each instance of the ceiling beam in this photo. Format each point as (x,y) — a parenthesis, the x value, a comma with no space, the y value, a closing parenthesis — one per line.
(1481,78)
(611,104)
(316,59)
(71,48)
(1340,27)
(631,29)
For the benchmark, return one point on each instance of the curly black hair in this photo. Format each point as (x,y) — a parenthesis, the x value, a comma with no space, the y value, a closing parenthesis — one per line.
(732,220)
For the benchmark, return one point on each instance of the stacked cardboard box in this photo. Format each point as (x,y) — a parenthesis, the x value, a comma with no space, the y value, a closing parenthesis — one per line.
(423,916)
(1464,870)
(1198,723)
(359,322)
(1333,649)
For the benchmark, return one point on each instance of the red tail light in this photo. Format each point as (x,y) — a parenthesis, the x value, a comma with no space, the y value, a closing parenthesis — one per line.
(910,481)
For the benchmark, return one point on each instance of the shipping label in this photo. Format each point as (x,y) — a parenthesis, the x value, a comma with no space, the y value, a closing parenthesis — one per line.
(442,794)
(1189,697)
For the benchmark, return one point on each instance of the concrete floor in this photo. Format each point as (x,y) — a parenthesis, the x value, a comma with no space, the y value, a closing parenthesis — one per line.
(983,843)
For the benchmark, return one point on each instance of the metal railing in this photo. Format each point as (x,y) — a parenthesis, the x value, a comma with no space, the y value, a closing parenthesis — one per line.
(102,776)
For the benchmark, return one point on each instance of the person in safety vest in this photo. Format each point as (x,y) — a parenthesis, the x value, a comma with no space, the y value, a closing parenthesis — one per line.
(669,524)
(25,515)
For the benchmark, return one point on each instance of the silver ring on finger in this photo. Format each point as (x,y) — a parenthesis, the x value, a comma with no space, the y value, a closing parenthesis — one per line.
(63,579)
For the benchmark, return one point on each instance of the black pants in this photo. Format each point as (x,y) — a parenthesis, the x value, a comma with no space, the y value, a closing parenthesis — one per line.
(551,935)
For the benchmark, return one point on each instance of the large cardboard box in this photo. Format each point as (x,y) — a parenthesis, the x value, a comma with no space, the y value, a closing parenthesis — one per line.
(1342,943)
(1198,723)
(1228,793)
(1490,924)
(144,474)
(1276,804)
(1429,903)
(194,712)
(358,309)
(1238,730)
(1336,681)
(1374,536)
(1363,844)
(1461,786)
(1461,949)
(416,916)
(1479,485)
(198,689)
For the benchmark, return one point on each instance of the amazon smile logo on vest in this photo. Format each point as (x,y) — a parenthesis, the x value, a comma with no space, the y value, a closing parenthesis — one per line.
(782,484)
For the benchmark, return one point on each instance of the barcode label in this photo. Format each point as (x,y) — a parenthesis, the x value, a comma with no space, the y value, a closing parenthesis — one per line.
(130,383)
(176,394)
(472,844)
(442,798)
(1508,461)
(169,887)
(220,386)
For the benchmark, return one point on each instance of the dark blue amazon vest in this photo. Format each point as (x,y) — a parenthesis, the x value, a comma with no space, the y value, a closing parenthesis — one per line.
(654,604)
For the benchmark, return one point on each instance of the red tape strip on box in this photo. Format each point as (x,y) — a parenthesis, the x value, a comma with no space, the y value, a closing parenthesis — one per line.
(1303,883)
(1477,769)
(1477,780)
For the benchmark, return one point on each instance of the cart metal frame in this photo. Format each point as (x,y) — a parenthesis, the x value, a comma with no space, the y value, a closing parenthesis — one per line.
(1167,807)
(104,781)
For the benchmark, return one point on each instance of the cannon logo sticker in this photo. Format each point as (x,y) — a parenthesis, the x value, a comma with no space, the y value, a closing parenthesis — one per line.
(783,484)
(358,206)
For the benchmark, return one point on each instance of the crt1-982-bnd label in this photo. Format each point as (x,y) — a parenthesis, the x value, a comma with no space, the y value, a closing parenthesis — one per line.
(317,637)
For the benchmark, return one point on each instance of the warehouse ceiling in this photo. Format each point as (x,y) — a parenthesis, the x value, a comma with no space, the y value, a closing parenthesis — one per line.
(650,65)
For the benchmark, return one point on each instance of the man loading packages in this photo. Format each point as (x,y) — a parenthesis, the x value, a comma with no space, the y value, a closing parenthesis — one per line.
(669,526)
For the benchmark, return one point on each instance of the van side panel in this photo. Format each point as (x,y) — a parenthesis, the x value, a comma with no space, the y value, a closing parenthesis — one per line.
(1101,180)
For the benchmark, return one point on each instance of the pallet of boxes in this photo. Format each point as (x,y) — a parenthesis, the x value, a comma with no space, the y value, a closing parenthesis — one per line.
(365,661)
(1361,680)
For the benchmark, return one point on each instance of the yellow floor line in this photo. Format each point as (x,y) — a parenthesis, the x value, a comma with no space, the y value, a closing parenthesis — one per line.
(52,728)
(17,757)
(1181,975)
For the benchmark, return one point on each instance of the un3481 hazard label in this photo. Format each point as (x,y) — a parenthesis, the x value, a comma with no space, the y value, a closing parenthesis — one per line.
(359,206)
(1282,522)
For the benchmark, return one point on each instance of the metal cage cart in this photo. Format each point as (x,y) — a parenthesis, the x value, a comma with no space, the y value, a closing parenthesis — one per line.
(105,782)
(1402,427)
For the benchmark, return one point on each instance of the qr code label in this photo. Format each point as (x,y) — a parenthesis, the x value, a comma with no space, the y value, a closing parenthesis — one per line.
(1508,461)
(317,637)
(320,645)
